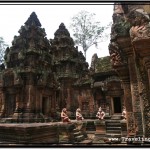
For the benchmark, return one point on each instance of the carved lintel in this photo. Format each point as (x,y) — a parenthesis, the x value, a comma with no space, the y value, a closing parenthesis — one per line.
(123,72)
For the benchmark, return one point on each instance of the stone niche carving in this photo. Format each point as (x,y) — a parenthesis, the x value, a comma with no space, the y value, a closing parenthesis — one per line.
(115,57)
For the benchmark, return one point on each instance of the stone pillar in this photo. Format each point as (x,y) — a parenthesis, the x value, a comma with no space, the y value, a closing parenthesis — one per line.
(68,99)
(63,98)
(28,114)
(38,104)
(128,105)
(2,104)
(147,66)
(17,116)
(123,73)
(134,92)
(52,101)
(109,108)
(144,99)
(123,128)
(126,46)
(145,95)
(17,101)
(30,97)
(141,48)
(91,104)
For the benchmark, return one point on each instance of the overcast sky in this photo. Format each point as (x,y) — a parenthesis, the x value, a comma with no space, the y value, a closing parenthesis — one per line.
(12,17)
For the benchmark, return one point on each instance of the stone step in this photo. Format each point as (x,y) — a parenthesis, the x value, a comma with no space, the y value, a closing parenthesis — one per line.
(116,117)
(90,132)
(113,135)
(3,120)
(77,133)
(64,141)
(6,120)
(113,131)
(112,121)
(79,138)
(113,124)
(86,141)
(113,128)
(75,130)
(108,121)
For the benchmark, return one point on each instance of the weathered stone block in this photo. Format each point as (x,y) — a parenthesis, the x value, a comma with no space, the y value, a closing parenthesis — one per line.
(123,128)
(81,125)
(100,126)
(29,133)
(66,132)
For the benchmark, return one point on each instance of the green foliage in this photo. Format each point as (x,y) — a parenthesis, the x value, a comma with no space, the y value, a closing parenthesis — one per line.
(86,30)
(103,64)
(122,28)
(3,46)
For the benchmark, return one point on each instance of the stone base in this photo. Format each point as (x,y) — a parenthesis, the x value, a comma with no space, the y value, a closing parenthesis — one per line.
(17,117)
(28,117)
(90,126)
(66,134)
(123,128)
(100,134)
(100,127)
(29,133)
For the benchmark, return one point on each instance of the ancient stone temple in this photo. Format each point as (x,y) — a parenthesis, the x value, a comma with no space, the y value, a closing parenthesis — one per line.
(41,77)
(106,87)
(28,85)
(70,68)
(129,52)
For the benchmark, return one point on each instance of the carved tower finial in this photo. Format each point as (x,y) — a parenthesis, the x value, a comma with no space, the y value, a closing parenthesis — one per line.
(94,61)
(33,20)
(62,31)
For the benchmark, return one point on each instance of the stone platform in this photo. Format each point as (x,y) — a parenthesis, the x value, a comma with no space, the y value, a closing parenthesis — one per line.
(89,131)
(29,133)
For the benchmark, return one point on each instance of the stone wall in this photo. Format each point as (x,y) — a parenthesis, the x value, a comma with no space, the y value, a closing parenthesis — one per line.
(29,133)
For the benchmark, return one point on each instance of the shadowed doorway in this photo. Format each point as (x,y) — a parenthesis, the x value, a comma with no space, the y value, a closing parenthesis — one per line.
(44,105)
(117,104)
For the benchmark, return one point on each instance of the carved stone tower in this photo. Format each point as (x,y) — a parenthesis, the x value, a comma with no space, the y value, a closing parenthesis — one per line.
(28,84)
(69,65)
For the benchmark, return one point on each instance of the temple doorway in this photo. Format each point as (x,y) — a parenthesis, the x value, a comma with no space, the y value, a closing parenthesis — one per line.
(44,105)
(10,104)
(116,105)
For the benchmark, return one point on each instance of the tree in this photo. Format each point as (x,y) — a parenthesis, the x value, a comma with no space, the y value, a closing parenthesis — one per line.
(3,46)
(86,30)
